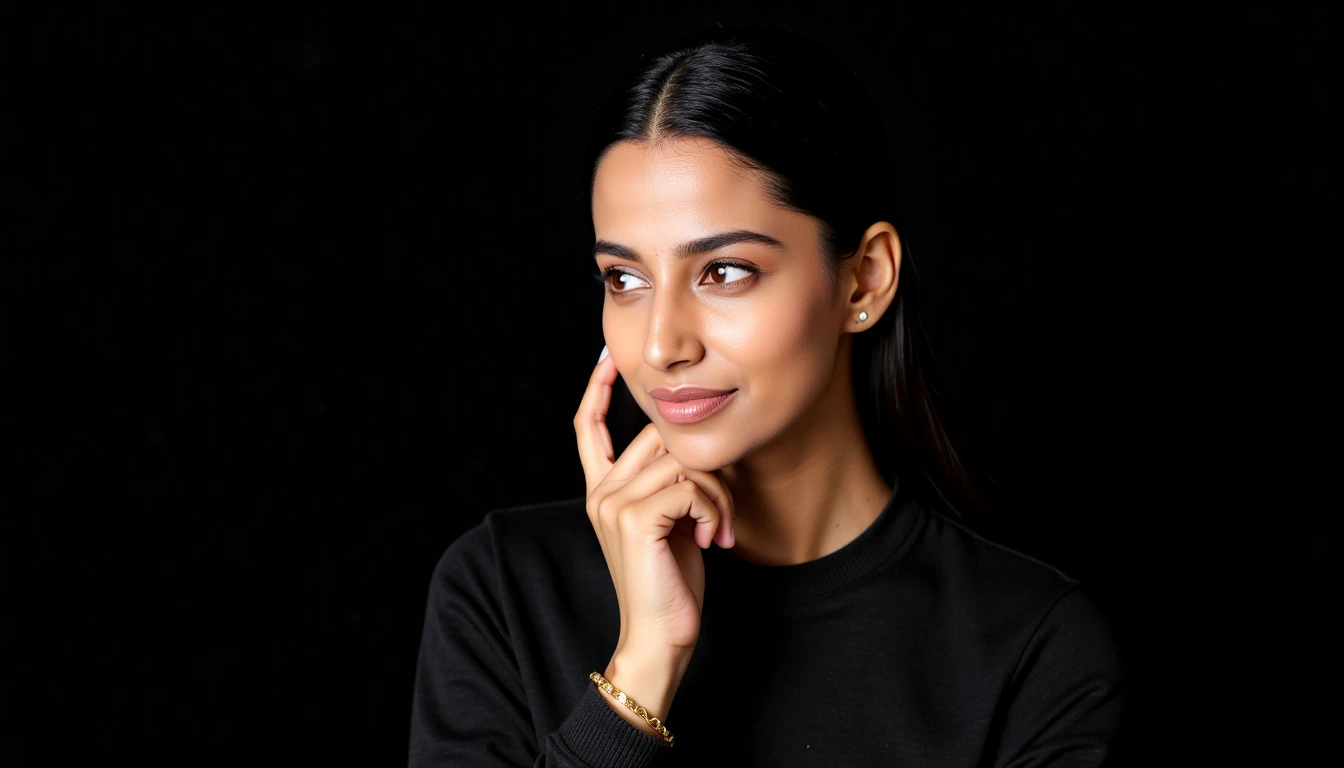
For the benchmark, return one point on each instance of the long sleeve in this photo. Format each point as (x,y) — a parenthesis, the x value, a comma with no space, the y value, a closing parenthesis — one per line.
(469,706)
(1067,700)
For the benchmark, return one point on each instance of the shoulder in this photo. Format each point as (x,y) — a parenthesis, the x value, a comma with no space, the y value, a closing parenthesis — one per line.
(1053,614)
(1001,590)
(565,518)
(970,560)
(515,535)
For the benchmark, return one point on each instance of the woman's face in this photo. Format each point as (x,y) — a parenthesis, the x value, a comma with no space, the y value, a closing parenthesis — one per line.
(762,325)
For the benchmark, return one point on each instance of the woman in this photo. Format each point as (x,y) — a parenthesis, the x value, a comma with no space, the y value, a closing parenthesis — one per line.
(756,308)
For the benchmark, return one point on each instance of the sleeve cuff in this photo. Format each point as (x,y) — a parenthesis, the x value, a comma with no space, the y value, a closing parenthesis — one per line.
(599,737)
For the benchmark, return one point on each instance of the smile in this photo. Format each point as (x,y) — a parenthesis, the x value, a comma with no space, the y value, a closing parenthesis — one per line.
(693,410)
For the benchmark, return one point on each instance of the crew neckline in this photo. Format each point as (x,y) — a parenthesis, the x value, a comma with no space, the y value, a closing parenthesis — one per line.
(799,582)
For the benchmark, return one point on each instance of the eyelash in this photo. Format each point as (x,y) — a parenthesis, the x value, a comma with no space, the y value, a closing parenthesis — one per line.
(604,277)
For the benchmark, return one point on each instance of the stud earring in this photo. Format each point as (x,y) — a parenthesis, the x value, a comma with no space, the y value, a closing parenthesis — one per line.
(863,316)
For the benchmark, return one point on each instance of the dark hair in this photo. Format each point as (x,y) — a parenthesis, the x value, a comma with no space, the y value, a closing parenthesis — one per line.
(784,106)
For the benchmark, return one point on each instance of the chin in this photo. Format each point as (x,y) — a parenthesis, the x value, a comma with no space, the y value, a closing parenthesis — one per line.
(707,452)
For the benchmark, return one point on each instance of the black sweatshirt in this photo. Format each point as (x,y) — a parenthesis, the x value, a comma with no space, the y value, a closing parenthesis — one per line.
(919,643)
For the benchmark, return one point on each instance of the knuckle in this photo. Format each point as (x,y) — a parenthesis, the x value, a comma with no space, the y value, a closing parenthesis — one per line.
(689,488)
(626,519)
(704,499)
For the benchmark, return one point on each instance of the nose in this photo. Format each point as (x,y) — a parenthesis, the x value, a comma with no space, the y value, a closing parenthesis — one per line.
(673,334)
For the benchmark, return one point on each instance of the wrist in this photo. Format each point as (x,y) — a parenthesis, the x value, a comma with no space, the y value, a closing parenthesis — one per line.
(651,679)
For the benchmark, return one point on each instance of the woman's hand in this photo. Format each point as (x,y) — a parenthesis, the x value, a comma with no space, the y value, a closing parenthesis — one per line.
(652,516)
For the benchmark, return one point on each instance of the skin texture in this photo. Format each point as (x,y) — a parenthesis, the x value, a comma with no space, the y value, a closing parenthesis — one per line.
(789,446)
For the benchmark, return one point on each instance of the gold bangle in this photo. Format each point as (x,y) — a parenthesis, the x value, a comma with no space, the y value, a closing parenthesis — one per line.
(657,724)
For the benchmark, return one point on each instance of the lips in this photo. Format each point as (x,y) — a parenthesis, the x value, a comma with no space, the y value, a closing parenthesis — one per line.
(688,411)
(686,394)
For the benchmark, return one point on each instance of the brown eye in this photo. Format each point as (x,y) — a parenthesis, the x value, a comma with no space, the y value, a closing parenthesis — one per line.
(612,276)
(722,272)
(625,279)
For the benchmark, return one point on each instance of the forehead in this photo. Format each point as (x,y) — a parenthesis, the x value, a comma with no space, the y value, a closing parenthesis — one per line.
(676,186)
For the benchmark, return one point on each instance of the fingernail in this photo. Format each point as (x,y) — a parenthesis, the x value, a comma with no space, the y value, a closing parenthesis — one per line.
(603,356)
(732,529)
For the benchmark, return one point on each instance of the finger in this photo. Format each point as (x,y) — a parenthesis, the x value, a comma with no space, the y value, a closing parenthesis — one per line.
(727,537)
(684,500)
(590,424)
(666,471)
(707,515)
(642,450)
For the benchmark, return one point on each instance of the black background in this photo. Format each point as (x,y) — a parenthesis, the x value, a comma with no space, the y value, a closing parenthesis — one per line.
(293,297)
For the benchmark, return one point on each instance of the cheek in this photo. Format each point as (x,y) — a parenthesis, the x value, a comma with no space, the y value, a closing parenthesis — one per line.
(777,340)
(623,342)
(617,337)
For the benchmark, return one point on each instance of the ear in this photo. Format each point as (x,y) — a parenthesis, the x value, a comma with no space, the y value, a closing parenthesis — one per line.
(873,273)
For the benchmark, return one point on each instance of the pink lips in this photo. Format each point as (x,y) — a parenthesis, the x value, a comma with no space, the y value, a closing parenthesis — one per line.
(688,404)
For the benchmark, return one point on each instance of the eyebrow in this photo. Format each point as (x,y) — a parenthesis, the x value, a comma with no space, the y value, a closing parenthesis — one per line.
(692,248)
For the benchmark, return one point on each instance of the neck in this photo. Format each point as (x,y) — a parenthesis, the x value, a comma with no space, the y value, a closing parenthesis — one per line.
(814,488)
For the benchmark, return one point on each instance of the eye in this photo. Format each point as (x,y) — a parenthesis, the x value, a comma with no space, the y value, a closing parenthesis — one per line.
(721,273)
(620,275)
